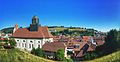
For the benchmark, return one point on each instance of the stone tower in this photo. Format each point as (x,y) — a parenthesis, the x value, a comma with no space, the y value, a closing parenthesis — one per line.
(35,24)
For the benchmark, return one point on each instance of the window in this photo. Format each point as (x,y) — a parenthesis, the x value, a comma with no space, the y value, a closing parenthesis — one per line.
(38,41)
(23,40)
(32,45)
(29,45)
(76,46)
(39,46)
(19,44)
(17,40)
(22,44)
(31,41)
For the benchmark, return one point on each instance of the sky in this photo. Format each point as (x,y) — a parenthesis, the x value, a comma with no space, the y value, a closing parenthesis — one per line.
(102,15)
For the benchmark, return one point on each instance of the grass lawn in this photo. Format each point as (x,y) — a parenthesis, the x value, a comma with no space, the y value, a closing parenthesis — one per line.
(15,55)
(114,57)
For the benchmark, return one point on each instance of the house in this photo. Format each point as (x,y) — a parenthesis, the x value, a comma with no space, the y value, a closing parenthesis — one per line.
(32,37)
(99,40)
(51,48)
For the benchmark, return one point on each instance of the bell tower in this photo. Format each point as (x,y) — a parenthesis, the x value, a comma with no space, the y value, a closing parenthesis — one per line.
(35,24)
(35,20)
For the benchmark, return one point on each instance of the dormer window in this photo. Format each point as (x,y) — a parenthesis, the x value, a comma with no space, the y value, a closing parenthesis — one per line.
(76,46)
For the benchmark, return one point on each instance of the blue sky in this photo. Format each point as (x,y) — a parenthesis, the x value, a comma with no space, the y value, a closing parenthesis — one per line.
(102,15)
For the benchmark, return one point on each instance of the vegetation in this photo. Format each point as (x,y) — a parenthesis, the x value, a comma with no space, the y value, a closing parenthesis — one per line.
(12,42)
(37,52)
(60,55)
(15,55)
(7,30)
(75,32)
(114,57)
(112,44)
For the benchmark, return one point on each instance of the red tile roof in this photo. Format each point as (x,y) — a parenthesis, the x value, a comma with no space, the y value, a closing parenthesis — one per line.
(42,32)
(53,46)
(86,38)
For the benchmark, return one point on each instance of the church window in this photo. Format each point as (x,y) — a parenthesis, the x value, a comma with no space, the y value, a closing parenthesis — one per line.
(39,46)
(31,41)
(38,41)
(22,44)
(29,45)
(32,45)
(23,40)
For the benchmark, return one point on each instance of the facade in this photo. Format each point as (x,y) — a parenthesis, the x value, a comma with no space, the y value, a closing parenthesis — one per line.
(33,37)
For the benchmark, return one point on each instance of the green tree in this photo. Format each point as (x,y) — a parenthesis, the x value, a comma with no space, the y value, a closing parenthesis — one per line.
(12,42)
(60,55)
(111,42)
(33,51)
(39,52)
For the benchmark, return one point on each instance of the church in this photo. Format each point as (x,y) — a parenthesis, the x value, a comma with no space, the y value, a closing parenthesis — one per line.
(32,37)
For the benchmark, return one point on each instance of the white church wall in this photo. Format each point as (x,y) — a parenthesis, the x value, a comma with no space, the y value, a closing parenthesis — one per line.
(28,44)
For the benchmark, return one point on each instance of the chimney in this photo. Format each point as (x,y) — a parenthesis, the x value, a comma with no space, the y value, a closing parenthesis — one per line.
(15,28)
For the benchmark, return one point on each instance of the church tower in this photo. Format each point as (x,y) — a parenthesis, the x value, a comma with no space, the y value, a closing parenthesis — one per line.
(35,24)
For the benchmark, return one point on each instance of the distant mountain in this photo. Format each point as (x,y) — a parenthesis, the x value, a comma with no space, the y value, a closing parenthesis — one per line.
(15,55)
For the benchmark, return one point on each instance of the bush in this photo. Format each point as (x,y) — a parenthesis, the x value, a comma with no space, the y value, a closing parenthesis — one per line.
(69,60)
(60,55)
(12,43)
(37,52)
(33,51)
(90,56)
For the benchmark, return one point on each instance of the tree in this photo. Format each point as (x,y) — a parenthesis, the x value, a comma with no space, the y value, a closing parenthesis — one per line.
(111,43)
(33,51)
(60,55)
(12,42)
(39,52)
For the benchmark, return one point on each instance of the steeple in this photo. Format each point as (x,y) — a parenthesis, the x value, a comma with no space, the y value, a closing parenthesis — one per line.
(35,20)
(35,24)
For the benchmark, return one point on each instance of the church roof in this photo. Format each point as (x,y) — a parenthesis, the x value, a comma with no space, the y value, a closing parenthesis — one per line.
(42,32)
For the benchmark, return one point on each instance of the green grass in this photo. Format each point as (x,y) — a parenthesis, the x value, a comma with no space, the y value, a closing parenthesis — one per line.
(114,57)
(61,29)
(15,55)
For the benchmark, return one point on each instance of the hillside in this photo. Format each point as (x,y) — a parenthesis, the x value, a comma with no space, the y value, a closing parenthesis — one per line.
(15,55)
(114,57)
(7,30)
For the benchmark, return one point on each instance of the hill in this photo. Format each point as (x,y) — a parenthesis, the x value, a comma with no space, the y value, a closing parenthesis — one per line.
(114,57)
(7,30)
(15,55)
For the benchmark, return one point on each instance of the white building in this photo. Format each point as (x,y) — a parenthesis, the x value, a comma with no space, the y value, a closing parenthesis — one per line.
(33,37)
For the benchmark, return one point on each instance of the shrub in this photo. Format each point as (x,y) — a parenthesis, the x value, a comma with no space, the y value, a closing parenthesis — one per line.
(12,43)
(37,52)
(60,55)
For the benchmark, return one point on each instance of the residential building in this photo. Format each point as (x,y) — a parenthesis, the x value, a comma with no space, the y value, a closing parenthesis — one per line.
(50,49)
